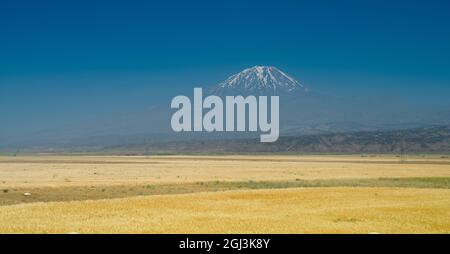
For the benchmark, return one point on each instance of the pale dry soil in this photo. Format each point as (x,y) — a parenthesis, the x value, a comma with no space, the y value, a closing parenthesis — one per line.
(56,171)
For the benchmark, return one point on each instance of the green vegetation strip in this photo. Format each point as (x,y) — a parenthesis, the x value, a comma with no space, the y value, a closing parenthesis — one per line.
(10,196)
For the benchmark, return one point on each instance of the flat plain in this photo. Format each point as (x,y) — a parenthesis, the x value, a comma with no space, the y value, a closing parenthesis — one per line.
(225,194)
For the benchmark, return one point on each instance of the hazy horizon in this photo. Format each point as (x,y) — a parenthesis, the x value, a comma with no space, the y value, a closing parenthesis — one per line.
(67,63)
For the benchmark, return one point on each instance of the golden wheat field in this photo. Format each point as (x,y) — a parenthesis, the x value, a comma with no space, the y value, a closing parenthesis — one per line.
(225,194)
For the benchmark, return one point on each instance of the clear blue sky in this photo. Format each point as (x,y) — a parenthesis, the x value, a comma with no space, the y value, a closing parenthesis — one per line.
(68,60)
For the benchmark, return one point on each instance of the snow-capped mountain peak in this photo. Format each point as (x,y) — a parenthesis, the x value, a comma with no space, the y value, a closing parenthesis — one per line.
(259,80)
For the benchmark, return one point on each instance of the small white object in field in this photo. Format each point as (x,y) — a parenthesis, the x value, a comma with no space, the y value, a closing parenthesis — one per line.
(73,233)
(27,194)
(374,233)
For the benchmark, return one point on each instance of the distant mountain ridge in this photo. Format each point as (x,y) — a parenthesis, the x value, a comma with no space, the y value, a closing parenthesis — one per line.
(434,139)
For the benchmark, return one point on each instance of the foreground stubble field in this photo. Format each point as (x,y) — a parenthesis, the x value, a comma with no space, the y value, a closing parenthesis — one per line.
(145,194)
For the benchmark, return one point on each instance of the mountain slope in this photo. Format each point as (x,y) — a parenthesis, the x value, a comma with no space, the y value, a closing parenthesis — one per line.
(307,112)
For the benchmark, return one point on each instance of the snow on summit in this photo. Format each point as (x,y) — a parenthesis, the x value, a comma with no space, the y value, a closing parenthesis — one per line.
(259,80)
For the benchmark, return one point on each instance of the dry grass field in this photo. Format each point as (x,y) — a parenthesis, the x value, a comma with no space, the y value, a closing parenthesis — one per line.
(225,194)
